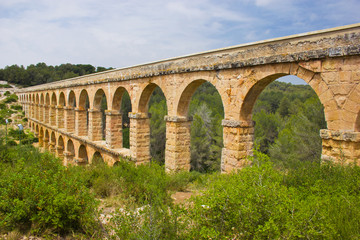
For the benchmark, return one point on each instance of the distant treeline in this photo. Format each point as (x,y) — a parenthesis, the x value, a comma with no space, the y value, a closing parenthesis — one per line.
(42,73)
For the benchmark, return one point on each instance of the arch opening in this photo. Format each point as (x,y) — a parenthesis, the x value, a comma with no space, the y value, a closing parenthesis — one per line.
(70,149)
(83,120)
(100,103)
(83,156)
(202,101)
(158,110)
(97,159)
(62,101)
(60,146)
(288,118)
(122,103)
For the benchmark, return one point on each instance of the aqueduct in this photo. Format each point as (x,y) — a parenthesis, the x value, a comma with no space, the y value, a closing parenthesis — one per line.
(328,60)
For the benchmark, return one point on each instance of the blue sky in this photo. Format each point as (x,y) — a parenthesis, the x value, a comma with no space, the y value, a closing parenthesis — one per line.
(120,33)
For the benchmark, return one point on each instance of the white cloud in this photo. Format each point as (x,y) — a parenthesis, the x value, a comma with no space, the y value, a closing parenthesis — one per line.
(122,33)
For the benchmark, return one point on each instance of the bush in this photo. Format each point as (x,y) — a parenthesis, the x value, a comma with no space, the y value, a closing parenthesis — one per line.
(37,193)
(260,202)
(16,107)
(11,98)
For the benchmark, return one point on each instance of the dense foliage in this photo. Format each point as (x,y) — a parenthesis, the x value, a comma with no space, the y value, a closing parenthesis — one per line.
(42,73)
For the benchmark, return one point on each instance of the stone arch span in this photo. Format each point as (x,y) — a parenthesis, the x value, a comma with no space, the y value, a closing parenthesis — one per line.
(97,158)
(115,120)
(82,155)
(97,121)
(60,148)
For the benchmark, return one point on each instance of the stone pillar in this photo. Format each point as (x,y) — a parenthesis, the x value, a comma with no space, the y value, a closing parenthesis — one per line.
(41,141)
(60,116)
(41,112)
(140,137)
(340,146)
(69,119)
(31,113)
(38,112)
(177,149)
(95,126)
(46,114)
(114,138)
(68,158)
(81,122)
(238,144)
(52,114)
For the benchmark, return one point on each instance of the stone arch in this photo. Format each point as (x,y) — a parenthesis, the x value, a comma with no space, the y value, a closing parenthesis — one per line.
(83,156)
(116,101)
(186,95)
(252,95)
(97,99)
(47,99)
(70,147)
(42,99)
(71,99)
(83,100)
(53,99)
(97,158)
(60,146)
(62,101)
(52,142)
(96,127)
(118,122)
(145,97)
(37,99)
(46,139)
(185,123)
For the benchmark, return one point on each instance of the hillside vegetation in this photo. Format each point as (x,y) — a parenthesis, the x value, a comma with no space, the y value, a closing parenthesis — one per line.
(284,193)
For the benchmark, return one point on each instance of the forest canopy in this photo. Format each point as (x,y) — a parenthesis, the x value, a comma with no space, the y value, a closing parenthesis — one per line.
(42,73)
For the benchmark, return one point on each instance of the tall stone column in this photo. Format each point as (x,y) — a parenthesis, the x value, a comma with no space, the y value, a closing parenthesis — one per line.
(46,114)
(140,137)
(81,122)
(32,110)
(114,138)
(60,116)
(177,149)
(41,112)
(38,110)
(95,126)
(69,119)
(41,141)
(52,114)
(238,144)
(340,146)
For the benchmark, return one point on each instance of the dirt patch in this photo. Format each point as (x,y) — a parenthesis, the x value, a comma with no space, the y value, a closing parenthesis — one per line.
(182,197)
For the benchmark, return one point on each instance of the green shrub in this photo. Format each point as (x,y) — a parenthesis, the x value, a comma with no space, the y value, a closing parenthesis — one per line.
(7,93)
(260,202)
(37,193)
(16,107)
(11,98)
